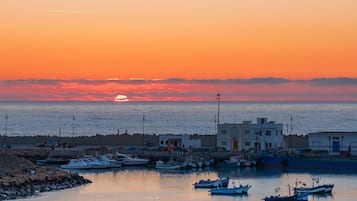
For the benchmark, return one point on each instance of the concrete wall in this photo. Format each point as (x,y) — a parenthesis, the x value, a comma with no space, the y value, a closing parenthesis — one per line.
(207,141)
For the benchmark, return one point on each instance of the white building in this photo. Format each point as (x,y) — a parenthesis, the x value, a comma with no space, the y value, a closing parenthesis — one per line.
(183,141)
(262,135)
(334,142)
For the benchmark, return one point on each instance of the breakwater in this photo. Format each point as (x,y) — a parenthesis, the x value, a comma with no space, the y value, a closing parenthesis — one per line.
(20,178)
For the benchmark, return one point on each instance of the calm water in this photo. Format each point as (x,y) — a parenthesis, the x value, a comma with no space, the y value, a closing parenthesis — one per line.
(149,185)
(47,118)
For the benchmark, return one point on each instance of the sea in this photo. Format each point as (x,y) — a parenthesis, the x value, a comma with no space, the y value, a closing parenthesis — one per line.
(146,184)
(105,118)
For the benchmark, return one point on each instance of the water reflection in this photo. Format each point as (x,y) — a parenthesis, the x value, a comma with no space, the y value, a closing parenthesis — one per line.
(145,184)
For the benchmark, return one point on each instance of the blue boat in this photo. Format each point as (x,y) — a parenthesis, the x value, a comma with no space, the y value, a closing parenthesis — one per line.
(295,197)
(221,182)
(307,162)
(316,188)
(231,191)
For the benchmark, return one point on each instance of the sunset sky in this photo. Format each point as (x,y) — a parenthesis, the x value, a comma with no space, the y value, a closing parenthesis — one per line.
(152,50)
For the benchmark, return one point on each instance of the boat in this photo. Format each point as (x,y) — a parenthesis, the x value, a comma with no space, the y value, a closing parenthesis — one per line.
(85,163)
(167,166)
(315,189)
(110,161)
(326,188)
(220,182)
(295,197)
(230,191)
(131,161)
(308,162)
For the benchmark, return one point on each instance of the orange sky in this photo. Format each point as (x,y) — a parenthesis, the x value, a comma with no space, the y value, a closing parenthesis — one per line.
(188,39)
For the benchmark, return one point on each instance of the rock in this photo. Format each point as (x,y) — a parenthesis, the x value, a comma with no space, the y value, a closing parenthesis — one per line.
(20,181)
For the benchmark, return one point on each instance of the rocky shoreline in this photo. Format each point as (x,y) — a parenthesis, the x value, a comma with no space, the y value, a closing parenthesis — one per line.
(20,178)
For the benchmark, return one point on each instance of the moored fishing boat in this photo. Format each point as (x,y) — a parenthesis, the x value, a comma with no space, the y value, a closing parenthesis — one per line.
(220,182)
(308,162)
(316,188)
(85,163)
(295,197)
(230,191)
(131,161)
(167,166)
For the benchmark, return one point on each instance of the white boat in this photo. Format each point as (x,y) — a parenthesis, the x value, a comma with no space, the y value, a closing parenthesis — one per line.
(167,166)
(85,163)
(107,158)
(128,160)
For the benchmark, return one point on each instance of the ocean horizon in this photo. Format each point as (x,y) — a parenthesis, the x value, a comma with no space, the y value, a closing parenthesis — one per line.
(88,118)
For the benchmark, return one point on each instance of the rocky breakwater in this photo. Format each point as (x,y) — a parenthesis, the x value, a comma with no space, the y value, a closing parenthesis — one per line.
(20,178)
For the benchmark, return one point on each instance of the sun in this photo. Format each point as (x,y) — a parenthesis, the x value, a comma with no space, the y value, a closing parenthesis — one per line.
(121,98)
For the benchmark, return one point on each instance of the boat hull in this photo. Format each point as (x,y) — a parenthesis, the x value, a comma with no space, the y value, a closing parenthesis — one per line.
(230,191)
(296,197)
(212,183)
(326,188)
(308,163)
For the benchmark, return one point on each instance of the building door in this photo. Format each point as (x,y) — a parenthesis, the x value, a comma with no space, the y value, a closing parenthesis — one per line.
(335,146)
(235,144)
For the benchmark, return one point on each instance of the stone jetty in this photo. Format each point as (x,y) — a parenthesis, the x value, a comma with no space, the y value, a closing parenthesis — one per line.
(20,178)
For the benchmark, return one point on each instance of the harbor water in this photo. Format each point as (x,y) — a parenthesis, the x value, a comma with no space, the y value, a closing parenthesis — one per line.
(91,118)
(144,184)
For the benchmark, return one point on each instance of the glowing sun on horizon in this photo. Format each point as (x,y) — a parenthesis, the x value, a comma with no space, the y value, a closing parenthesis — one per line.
(121,98)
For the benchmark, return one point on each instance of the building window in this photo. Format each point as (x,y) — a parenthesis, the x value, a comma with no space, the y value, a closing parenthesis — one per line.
(247,143)
(162,142)
(246,132)
(223,143)
(267,133)
(224,131)
(335,138)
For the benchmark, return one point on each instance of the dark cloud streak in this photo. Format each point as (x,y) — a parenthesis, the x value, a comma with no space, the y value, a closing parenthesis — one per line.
(251,81)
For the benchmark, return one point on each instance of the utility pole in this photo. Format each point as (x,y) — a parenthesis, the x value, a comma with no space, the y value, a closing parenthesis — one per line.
(6,118)
(74,118)
(143,128)
(218,102)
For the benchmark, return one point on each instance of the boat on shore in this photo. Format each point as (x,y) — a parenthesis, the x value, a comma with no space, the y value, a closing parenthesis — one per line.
(231,191)
(220,182)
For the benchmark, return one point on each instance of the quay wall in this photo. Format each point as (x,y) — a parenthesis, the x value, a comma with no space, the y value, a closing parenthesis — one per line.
(207,141)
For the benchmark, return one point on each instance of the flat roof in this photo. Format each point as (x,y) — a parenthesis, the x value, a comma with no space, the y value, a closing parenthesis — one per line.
(333,133)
